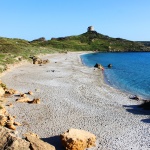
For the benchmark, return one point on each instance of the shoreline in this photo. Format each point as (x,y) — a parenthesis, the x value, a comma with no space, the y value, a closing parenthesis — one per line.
(113,83)
(76,96)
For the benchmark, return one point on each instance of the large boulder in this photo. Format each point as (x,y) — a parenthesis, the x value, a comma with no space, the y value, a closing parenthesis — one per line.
(36,143)
(9,141)
(75,139)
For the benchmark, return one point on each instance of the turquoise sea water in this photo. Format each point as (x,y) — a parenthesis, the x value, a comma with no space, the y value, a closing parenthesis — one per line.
(130,71)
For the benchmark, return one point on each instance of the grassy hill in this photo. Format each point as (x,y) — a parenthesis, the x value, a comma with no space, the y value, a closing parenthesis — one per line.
(92,40)
(14,50)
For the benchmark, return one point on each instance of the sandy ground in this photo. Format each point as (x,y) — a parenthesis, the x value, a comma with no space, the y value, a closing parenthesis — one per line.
(75,96)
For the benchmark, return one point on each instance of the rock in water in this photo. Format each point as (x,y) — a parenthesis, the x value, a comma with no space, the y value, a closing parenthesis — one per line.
(109,65)
(10,125)
(36,143)
(99,66)
(75,139)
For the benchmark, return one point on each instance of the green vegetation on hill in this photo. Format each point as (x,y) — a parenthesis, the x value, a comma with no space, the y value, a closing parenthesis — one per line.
(14,50)
(92,40)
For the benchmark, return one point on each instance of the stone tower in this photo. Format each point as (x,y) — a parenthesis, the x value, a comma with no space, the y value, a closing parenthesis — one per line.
(90,28)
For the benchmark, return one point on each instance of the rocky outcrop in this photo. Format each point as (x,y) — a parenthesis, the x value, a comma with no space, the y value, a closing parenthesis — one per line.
(9,141)
(37,60)
(41,39)
(7,120)
(75,139)
(36,143)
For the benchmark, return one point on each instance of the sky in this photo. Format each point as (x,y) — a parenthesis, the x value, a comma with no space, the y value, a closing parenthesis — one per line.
(32,19)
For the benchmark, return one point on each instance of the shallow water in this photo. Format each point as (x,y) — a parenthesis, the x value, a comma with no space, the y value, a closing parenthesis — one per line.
(130,71)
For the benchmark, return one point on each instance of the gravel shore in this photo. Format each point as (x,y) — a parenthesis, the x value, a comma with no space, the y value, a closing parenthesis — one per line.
(75,96)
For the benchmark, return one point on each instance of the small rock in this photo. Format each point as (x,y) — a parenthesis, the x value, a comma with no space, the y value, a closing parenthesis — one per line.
(10,125)
(23,99)
(45,61)
(30,93)
(37,90)
(3,120)
(22,95)
(10,117)
(35,101)
(134,97)
(10,105)
(17,124)
(14,117)
(110,66)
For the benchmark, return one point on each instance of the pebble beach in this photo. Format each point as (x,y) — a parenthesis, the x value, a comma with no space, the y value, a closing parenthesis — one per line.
(75,96)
